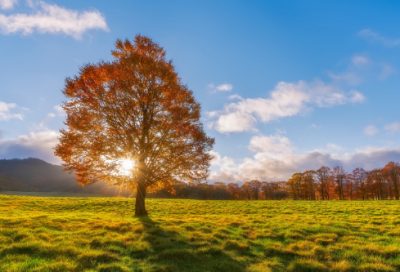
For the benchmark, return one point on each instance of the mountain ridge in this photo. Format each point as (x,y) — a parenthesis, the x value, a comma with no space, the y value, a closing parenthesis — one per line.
(36,175)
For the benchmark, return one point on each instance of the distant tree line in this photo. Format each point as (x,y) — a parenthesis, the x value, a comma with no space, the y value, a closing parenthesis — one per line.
(336,183)
(322,184)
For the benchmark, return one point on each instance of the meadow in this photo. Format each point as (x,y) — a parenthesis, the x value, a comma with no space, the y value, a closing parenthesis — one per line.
(101,234)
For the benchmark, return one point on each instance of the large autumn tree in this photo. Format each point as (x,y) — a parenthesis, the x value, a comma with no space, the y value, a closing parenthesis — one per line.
(134,111)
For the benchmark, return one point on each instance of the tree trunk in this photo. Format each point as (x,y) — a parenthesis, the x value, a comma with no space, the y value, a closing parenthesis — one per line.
(396,190)
(140,207)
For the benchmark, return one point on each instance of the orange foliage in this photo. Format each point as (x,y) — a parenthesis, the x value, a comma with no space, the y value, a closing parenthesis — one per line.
(134,108)
(327,184)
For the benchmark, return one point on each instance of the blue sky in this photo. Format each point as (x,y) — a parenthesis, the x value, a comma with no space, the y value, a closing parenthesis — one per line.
(285,86)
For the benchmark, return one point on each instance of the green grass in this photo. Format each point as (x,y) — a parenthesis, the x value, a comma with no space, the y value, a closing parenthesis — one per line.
(100,234)
(48,194)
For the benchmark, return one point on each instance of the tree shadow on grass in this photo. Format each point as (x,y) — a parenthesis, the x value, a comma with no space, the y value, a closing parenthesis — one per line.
(170,251)
(148,248)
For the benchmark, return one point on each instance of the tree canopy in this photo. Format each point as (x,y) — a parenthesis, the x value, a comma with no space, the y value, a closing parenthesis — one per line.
(134,111)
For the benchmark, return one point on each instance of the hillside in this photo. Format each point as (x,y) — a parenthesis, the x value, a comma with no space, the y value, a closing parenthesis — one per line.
(38,174)
(35,175)
(12,184)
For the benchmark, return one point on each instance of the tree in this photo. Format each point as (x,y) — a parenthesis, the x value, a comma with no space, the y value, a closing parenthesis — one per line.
(359,176)
(350,187)
(294,186)
(206,189)
(135,110)
(246,191)
(234,190)
(340,177)
(309,185)
(392,172)
(255,188)
(268,188)
(324,176)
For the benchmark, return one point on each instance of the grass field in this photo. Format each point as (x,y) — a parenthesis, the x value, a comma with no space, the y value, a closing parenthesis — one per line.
(48,194)
(100,234)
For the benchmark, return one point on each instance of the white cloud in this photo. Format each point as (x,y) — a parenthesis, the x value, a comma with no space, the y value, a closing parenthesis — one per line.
(335,147)
(223,162)
(235,96)
(224,165)
(386,71)
(376,37)
(224,87)
(53,19)
(351,78)
(287,99)
(60,111)
(393,127)
(362,69)
(38,145)
(5,113)
(275,146)
(221,88)
(275,160)
(370,130)
(356,97)
(360,60)
(42,125)
(7,4)
(30,3)
(234,122)
(313,126)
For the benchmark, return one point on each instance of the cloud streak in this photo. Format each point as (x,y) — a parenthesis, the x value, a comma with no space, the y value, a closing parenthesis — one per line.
(370,130)
(54,20)
(376,37)
(362,69)
(360,60)
(393,127)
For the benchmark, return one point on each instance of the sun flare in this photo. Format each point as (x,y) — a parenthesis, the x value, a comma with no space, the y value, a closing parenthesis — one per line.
(126,166)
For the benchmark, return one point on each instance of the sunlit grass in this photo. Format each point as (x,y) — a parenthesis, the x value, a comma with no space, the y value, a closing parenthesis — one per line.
(100,234)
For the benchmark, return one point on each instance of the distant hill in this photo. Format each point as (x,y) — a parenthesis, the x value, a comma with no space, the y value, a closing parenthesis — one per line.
(12,184)
(35,175)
